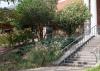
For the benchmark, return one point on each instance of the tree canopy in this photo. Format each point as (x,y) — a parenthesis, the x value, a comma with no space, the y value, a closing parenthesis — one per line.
(72,16)
(43,12)
(36,11)
(7,15)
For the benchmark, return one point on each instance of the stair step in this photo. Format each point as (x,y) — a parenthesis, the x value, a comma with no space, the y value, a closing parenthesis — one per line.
(80,59)
(85,56)
(79,64)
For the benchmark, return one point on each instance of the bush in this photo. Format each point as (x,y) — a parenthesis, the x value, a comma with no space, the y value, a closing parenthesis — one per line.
(17,36)
(23,64)
(41,55)
(4,39)
(24,50)
(73,16)
(14,60)
(8,67)
(67,41)
(22,36)
(60,42)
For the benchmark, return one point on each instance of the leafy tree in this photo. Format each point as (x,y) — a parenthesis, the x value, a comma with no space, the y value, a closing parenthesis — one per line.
(7,15)
(36,12)
(72,16)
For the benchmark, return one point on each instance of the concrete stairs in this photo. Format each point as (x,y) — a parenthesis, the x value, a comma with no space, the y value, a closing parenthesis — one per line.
(86,56)
(80,59)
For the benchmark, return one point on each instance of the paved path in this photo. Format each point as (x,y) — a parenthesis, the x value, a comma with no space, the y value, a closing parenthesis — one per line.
(57,68)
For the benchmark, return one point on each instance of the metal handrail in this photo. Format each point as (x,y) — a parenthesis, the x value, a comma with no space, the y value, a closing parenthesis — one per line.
(73,47)
(67,47)
(81,36)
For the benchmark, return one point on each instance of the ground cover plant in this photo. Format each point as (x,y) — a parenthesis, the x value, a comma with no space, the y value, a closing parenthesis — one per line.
(31,56)
(94,69)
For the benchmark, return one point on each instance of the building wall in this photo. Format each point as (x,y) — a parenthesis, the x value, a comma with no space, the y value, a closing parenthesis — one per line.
(62,3)
(98,16)
(93,11)
(98,12)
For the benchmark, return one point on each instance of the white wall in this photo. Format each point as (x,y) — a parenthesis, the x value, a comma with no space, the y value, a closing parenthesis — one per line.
(93,10)
(87,3)
(94,15)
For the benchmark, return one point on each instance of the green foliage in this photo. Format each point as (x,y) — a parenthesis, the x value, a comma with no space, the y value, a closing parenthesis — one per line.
(22,36)
(41,55)
(72,16)
(18,36)
(24,50)
(67,41)
(36,11)
(24,64)
(16,56)
(6,39)
(14,60)
(40,12)
(3,39)
(8,67)
(94,69)
(34,57)
(60,42)
(7,16)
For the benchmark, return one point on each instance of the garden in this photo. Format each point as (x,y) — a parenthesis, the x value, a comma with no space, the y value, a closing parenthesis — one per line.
(27,45)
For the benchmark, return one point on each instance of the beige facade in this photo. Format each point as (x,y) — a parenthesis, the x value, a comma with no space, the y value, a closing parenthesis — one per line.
(62,3)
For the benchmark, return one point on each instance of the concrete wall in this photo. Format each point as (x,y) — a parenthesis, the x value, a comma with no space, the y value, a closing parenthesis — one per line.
(93,10)
(62,3)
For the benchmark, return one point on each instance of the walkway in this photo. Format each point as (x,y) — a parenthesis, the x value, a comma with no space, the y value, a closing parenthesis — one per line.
(57,68)
(86,57)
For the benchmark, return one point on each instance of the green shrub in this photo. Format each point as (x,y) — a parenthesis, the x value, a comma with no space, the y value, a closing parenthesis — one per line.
(24,50)
(24,64)
(8,67)
(22,36)
(73,16)
(16,37)
(4,39)
(67,41)
(14,60)
(60,42)
(41,55)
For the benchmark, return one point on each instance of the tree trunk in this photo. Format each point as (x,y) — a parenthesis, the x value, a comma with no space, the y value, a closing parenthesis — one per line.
(40,32)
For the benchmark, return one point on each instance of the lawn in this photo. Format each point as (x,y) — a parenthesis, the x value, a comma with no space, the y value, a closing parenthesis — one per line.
(94,69)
